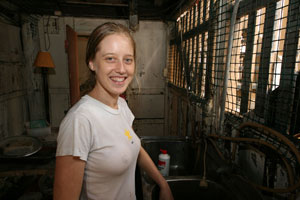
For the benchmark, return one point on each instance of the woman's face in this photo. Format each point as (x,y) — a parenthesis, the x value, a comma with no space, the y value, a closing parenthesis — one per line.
(114,64)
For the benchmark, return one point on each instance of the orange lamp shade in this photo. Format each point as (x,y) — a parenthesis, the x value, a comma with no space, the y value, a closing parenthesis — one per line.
(44,59)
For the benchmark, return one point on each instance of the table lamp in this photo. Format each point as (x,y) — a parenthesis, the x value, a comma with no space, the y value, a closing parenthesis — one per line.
(44,60)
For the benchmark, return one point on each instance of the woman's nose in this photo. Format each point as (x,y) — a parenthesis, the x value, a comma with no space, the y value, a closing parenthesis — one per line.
(120,67)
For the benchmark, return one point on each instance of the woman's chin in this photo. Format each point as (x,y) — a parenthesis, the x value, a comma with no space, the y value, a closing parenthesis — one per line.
(118,92)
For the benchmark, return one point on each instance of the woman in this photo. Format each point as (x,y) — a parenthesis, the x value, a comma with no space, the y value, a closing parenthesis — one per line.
(97,149)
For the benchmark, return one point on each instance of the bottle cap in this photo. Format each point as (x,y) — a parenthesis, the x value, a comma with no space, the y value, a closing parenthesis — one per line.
(163,151)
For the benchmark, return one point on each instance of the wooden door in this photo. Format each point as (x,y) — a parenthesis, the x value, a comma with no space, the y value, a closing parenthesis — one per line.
(72,51)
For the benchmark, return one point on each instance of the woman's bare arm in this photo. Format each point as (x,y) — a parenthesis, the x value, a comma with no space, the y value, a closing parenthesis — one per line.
(146,163)
(69,171)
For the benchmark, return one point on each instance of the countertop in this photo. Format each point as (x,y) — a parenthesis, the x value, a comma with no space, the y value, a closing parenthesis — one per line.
(40,163)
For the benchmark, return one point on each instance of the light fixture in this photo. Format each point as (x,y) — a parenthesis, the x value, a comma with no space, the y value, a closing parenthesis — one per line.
(45,62)
(44,59)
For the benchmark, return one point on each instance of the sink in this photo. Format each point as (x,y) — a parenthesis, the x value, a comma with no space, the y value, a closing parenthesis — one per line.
(186,171)
(189,188)
(181,150)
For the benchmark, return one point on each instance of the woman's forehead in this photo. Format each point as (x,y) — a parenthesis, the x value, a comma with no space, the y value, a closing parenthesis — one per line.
(116,42)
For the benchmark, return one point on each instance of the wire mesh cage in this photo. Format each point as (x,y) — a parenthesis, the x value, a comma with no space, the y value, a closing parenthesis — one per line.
(263,80)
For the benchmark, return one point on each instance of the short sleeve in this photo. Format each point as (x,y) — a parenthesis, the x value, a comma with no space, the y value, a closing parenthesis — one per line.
(74,137)
(126,111)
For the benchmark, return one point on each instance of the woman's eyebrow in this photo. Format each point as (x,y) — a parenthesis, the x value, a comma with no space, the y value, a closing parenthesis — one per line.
(112,54)
(108,54)
(129,55)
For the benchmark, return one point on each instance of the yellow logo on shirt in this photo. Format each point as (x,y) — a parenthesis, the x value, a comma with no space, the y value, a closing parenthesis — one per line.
(127,133)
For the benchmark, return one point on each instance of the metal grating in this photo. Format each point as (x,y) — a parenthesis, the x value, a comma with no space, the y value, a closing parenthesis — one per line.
(204,63)
(234,91)
(199,60)
(220,42)
(201,10)
(189,70)
(265,60)
(279,33)
(256,56)
(171,63)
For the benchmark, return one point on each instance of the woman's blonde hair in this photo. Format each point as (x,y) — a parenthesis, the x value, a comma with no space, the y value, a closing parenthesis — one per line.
(102,31)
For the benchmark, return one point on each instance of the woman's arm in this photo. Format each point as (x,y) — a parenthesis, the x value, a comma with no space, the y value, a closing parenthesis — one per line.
(146,163)
(68,177)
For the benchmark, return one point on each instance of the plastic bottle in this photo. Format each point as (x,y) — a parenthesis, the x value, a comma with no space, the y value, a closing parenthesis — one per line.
(164,162)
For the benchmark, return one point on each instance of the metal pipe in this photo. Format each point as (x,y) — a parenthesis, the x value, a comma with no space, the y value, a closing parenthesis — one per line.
(228,59)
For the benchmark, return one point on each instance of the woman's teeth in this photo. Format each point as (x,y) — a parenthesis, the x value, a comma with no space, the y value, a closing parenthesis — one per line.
(118,79)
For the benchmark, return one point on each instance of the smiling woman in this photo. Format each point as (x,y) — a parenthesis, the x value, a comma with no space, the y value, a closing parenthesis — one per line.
(114,67)
(97,149)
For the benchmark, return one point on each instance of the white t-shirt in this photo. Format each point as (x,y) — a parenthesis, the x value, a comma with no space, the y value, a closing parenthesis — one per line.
(103,137)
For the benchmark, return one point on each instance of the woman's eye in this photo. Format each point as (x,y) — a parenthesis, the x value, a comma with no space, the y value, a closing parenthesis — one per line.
(128,60)
(110,59)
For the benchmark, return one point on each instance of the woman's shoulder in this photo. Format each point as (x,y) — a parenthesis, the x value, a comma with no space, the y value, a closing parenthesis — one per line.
(83,106)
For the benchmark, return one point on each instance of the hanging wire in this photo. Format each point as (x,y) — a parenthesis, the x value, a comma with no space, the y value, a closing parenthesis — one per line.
(47,46)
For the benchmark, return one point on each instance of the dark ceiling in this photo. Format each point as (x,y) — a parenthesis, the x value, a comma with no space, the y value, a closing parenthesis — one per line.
(144,9)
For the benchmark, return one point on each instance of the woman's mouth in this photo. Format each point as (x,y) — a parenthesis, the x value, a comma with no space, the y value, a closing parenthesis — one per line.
(118,80)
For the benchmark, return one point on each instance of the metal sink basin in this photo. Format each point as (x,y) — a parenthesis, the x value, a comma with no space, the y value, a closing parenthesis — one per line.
(190,188)
(181,150)
(186,170)
(182,160)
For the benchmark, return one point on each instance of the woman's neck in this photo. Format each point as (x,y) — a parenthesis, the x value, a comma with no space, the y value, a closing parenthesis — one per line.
(104,97)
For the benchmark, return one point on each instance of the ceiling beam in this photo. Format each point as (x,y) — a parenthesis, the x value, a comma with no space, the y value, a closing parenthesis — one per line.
(96,3)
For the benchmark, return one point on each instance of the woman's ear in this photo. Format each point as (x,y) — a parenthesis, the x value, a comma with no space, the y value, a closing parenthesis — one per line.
(91,66)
